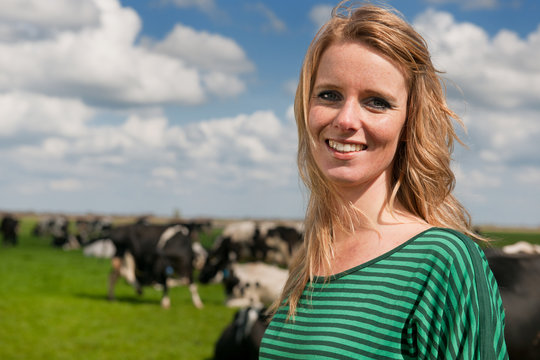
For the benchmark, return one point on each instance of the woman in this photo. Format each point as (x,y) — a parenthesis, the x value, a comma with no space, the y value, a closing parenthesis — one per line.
(380,274)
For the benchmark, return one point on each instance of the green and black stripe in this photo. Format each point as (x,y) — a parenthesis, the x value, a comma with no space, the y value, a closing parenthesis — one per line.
(429,298)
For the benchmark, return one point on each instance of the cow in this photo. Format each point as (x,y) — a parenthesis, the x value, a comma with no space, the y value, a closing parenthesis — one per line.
(9,229)
(88,229)
(55,226)
(281,241)
(250,241)
(518,276)
(103,248)
(241,339)
(158,252)
(521,247)
(253,284)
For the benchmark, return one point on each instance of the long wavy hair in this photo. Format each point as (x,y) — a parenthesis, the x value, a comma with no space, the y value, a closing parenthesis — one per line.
(422,180)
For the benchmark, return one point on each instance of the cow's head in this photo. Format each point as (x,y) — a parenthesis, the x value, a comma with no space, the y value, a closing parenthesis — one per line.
(218,259)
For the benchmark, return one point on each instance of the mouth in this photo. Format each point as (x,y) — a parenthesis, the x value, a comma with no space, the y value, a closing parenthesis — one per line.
(345,147)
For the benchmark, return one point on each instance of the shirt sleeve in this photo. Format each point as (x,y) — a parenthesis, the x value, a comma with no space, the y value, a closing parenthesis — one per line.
(460,307)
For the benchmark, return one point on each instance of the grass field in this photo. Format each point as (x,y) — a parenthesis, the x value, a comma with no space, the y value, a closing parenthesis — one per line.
(53,306)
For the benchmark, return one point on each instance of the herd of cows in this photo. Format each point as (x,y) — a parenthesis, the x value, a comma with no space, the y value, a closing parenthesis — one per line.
(250,259)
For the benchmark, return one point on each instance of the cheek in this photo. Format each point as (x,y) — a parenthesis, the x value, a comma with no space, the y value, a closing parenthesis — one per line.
(318,119)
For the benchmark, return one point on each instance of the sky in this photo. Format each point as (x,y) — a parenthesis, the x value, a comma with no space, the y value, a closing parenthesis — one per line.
(185,106)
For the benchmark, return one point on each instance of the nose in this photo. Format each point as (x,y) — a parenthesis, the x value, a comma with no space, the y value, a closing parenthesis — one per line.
(349,117)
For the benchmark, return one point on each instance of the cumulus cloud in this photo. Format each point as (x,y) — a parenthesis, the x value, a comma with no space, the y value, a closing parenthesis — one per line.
(496,72)
(39,19)
(27,113)
(205,50)
(101,63)
(499,80)
(230,151)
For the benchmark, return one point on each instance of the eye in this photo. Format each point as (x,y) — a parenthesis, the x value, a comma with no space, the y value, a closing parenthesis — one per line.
(378,103)
(329,95)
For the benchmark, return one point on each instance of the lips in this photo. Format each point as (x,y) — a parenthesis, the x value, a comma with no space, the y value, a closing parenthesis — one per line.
(346,147)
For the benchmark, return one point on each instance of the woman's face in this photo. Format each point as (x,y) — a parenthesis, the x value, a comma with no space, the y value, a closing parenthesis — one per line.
(356,113)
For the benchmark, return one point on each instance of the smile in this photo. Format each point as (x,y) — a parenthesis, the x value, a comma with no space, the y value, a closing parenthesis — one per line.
(346,148)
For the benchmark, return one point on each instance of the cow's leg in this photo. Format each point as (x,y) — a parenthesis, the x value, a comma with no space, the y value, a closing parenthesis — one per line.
(116,263)
(165,300)
(195,296)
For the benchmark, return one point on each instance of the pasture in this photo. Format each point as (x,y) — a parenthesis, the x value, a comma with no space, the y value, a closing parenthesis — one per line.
(53,306)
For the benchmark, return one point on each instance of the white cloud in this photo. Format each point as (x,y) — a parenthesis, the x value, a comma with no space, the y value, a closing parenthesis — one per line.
(248,147)
(101,63)
(499,78)
(205,50)
(498,72)
(27,113)
(500,81)
(223,85)
(320,14)
(38,19)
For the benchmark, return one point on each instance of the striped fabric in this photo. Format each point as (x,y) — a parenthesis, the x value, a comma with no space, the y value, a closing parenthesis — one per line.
(418,301)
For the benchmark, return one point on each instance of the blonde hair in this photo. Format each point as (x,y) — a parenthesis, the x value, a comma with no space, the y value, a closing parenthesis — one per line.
(422,180)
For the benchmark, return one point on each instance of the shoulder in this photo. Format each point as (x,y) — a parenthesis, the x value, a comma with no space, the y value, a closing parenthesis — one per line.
(448,242)
(450,247)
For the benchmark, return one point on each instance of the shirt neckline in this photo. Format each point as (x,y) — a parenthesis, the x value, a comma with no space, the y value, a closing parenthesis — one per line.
(320,279)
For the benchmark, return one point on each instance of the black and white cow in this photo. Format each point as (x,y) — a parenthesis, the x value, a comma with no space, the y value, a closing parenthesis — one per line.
(241,339)
(249,241)
(56,227)
(88,229)
(9,230)
(158,253)
(253,284)
(518,278)
(280,243)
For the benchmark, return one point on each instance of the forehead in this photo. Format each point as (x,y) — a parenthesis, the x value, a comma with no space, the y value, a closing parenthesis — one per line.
(357,64)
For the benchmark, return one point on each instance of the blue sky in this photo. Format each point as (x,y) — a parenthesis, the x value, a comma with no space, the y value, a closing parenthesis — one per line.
(153,106)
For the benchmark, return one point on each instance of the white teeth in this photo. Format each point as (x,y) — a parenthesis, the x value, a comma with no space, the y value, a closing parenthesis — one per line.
(345,148)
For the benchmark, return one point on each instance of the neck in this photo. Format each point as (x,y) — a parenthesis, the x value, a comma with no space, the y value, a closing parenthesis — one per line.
(371,199)
(373,202)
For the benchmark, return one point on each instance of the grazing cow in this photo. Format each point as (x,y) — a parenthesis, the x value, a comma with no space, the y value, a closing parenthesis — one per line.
(55,226)
(159,252)
(91,229)
(281,242)
(253,284)
(9,229)
(521,247)
(241,339)
(236,243)
(518,276)
(249,241)
(101,249)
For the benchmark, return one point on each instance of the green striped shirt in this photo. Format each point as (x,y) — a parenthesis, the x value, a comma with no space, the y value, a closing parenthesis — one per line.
(422,300)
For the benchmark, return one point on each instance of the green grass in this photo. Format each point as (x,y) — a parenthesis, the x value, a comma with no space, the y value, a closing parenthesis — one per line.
(53,306)
(502,238)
